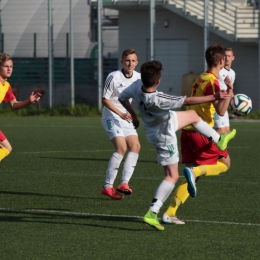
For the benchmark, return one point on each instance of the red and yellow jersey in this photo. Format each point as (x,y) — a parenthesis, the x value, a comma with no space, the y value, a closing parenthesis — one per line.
(206,84)
(6,94)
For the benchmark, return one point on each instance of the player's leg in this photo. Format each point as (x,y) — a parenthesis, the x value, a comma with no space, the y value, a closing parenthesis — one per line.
(168,157)
(5,146)
(115,133)
(131,158)
(162,193)
(191,117)
(221,123)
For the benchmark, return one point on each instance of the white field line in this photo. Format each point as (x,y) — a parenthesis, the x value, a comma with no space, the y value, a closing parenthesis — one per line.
(71,213)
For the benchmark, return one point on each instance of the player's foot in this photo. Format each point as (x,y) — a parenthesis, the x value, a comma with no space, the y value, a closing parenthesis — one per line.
(224,139)
(151,219)
(191,179)
(124,188)
(112,193)
(171,220)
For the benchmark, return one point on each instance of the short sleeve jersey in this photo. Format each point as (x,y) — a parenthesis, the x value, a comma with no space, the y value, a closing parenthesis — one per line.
(206,84)
(222,75)
(6,94)
(153,107)
(115,83)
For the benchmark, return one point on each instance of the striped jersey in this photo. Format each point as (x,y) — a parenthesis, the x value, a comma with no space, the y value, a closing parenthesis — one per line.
(153,107)
(115,83)
(222,75)
(206,84)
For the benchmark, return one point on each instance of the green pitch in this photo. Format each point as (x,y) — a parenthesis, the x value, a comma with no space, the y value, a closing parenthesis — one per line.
(51,206)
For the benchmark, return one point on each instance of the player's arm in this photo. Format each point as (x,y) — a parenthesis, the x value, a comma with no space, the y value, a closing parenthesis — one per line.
(124,100)
(221,106)
(204,99)
(34,97)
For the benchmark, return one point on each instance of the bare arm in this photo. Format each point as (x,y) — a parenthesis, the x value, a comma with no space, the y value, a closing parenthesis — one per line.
(34,97)
(126,116)
(204,99)
(221,106)
(126,104)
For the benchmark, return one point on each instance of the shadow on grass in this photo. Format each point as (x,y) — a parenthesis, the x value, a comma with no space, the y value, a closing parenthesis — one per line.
(64,217)
(25,193)
(91,159)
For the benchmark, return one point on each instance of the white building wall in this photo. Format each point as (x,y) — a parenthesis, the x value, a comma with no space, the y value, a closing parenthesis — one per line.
(134,31)
(22,18)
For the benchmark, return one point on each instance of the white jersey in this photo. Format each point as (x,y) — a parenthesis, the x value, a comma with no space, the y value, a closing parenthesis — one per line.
(222,75)
(115,83)
(154,107)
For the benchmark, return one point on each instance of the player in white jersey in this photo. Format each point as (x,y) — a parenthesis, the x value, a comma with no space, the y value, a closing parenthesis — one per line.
(121,132)
(222,125)
(160,124)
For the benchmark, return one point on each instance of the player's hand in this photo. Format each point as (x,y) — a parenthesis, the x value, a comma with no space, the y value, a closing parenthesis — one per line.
(222,95)
(127,117)
(35,97)
(135,121)
(228,82)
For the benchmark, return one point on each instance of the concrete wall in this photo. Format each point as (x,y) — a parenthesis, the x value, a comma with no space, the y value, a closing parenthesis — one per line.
(134,33)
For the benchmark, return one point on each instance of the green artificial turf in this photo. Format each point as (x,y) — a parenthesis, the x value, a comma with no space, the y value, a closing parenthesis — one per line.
(51,206)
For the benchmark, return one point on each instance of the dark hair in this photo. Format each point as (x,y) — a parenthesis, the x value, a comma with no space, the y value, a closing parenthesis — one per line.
(128,52)
(229,49)
(214,54)
(4,57)
(151,72)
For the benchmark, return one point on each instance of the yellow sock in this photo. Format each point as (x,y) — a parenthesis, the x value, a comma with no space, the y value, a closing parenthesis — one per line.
(210,170)
(3,153)
(179,197)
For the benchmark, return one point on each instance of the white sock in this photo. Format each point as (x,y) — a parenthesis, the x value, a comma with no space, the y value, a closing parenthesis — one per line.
(129,166)
(203,128)
(112,169)
(162,193)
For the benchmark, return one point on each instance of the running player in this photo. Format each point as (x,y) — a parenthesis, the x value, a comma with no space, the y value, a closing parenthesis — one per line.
(222,125)
(202,158)
(6,95)
(117,123)
(160,125)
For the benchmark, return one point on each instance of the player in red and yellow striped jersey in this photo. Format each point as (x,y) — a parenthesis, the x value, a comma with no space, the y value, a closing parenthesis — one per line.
(202,157)
(6,95)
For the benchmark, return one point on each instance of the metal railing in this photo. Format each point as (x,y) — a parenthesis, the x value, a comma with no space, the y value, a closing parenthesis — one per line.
(238,21)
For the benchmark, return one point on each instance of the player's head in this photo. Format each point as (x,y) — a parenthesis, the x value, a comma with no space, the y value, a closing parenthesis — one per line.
(215,55)
(6,65)
(151,73)
(229,57)
(129,61)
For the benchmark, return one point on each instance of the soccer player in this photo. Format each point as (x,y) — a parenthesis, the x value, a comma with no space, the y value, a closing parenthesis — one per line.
(202,158)
(160,125)
(117,123)
(226,76)
(6,95)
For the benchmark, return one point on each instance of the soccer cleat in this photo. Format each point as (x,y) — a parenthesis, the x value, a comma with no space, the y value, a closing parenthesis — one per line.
(191,179)
(112,193)
(151,219)
(171,220)
(224,139)
(124,188)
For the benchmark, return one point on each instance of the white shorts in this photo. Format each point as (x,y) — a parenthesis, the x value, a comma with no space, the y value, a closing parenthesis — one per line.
(221,121)
(164,139)
(115,127)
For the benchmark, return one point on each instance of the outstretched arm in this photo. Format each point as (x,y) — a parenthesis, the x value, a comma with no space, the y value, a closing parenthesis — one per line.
(34,97)
(204,99)
(126,104)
